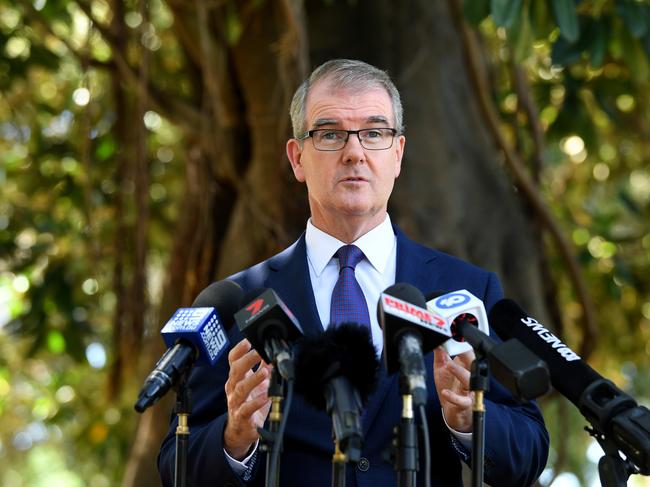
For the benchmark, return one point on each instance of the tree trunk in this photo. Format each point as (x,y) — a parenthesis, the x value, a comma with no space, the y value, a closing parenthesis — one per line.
(453,193)
(229,220)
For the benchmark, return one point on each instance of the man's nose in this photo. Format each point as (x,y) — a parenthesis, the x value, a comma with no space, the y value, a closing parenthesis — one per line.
(353,151)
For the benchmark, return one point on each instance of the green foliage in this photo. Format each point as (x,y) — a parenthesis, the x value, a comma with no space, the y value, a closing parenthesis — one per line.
(504,12)
(566,17)
(59,241)
(586,65)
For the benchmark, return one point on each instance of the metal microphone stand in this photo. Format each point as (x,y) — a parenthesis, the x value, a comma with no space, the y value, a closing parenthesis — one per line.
(270,437)
(339,459)
(183,409)
(479,383)
(406,461)
(612,469)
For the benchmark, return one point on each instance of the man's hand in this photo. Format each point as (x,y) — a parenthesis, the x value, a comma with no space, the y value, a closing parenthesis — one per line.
(452,383)
(248,402)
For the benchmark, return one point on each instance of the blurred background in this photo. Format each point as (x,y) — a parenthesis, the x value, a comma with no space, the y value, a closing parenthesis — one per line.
(142,157)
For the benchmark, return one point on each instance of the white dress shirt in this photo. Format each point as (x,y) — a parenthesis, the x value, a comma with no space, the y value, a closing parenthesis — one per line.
(374,273)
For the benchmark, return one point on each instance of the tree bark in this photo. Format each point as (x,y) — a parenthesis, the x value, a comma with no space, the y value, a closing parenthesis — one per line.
(230,220)
(453,193)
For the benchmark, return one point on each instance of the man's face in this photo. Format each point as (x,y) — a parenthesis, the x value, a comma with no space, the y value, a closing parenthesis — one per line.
(352,183)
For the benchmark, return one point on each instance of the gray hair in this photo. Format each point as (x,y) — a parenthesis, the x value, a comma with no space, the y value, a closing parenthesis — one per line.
(344,74)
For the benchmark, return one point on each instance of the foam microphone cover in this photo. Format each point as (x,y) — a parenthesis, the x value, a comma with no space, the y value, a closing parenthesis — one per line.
(226,296)
(345,350)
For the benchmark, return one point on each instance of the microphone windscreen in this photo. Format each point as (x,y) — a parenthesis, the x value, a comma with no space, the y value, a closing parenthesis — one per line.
(344,350)
(252,294)
(407,292)
(225,296)
(434,295)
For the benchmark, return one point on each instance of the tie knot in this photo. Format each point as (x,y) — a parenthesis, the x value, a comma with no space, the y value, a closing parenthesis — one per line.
(349,256)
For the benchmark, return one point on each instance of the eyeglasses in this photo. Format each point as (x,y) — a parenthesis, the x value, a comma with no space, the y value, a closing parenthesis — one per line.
(334,139)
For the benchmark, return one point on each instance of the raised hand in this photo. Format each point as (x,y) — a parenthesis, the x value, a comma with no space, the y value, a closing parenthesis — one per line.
(248,401)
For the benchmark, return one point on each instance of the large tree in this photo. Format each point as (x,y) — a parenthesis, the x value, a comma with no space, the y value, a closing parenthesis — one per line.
(172,173)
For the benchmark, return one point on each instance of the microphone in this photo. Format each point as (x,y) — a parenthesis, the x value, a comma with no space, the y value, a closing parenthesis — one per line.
(408,329)
(270,327)
(336,371)
(447,305)
(511,363)
(612,413)
(196,334)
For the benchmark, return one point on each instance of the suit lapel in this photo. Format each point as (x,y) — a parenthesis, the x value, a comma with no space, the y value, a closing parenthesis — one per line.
(289,278)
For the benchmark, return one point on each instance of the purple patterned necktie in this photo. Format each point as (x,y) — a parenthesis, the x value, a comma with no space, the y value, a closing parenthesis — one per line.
(348,302)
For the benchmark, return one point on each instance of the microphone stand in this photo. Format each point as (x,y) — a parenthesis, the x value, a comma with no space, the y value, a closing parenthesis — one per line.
(339,459)
(612,469)
(270,437)
(406,462)
(479,383)
(183,409)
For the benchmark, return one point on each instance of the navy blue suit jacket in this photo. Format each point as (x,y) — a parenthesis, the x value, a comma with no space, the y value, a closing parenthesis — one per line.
(516,438)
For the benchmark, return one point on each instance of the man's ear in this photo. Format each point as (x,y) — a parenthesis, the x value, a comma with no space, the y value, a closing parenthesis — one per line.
(399,153)
(294,153)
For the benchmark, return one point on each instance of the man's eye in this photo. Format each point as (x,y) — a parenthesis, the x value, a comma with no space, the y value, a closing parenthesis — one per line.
(373,134)
(330,135)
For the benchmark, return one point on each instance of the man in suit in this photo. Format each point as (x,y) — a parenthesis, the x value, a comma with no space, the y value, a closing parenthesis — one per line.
(352,113)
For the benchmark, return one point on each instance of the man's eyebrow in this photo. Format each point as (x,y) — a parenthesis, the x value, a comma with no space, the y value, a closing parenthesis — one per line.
(325,121)
(377,119)
(320,122)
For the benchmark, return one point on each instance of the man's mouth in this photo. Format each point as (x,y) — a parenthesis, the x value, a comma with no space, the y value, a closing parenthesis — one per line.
(354,179)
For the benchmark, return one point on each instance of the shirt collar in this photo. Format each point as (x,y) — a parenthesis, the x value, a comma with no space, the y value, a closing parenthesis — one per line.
(377,245)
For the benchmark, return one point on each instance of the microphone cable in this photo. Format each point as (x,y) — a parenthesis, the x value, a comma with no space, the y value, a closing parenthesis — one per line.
(427,446)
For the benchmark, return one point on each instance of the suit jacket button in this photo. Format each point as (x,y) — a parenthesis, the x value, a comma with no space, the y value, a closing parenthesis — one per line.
(363,464)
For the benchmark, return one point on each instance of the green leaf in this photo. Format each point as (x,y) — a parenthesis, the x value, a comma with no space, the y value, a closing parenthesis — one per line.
(540,20)
(596,37)
(645,40)
(593,40)
(634,57)
(567,19)
(565,53)
(520,37)
(106,148)
(55,342)
(475,10)
(634,17)
(504,12)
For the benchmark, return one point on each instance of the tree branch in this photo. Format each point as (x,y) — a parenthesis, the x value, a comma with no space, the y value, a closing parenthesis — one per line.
(523,181)
(527,105)
(171,106)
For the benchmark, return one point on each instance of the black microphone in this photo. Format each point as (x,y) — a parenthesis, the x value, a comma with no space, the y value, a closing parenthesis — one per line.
(525,375)
(196,334)
(409,328)
(336,371)
(270,327)
(611,412)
